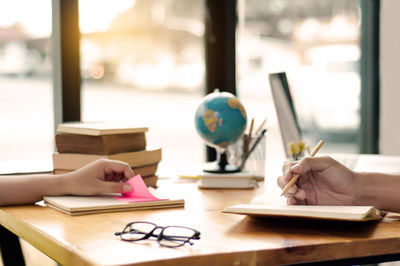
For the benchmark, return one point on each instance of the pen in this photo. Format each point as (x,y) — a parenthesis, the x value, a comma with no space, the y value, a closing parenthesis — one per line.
(249,137)
(295,177)
(258,139)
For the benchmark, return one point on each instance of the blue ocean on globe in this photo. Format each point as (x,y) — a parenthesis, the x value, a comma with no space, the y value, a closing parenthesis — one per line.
(220,119)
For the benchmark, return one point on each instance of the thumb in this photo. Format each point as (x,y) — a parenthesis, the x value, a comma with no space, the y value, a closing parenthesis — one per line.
(115,187)
(312,164)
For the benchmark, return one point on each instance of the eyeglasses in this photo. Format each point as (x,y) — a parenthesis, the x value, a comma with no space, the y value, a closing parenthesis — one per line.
(169,236)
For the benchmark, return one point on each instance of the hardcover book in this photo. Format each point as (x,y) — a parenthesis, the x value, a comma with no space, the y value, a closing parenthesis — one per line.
(73,161)
(102,144)
(99,128)
(145,170)
(150,180)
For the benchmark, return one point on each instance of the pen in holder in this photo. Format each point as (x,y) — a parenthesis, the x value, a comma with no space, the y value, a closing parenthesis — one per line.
(248,153)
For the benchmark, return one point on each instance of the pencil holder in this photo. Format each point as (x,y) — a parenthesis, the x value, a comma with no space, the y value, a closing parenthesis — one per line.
(249,153)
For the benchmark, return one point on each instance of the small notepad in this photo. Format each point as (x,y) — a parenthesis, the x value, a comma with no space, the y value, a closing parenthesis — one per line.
(138,199)
(139,193)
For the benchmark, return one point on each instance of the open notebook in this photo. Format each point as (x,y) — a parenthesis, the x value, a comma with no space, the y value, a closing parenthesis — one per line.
(340,213)
(138,199)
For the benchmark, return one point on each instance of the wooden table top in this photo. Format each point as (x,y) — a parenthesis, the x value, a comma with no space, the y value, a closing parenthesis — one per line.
(225,238)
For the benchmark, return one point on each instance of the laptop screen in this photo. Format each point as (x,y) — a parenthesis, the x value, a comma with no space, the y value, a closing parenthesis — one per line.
(285,111)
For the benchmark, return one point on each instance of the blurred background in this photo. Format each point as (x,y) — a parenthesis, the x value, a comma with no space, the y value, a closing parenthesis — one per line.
(144,61)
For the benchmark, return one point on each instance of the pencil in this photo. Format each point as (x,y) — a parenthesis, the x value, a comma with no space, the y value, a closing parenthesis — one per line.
(251,127)
(261,126)
(295,177)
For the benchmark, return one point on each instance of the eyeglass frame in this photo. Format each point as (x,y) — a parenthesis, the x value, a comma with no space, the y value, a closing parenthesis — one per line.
(160,236)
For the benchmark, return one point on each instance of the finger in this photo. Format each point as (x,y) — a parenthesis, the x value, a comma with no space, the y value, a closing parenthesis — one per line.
(300,195)
(120,169)
(114,187)
(312,164)
(291,201)
(301,202)
(287,165)
(280,182)
(287,175)
(291,191)
(116,177)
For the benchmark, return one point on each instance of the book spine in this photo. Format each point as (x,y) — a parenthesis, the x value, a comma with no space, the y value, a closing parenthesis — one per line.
(104,145)
(143,171)
(138,158)
(72,161)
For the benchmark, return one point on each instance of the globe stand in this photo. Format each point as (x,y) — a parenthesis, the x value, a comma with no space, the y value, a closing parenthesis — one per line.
(221,165)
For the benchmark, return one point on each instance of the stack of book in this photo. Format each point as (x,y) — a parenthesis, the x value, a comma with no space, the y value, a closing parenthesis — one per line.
(81,143)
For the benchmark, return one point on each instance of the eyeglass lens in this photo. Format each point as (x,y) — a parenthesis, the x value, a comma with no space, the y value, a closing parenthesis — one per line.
(137,231)
(174,236)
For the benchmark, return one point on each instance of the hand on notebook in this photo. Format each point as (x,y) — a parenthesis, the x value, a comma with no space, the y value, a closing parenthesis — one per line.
(322,181)
(101,176)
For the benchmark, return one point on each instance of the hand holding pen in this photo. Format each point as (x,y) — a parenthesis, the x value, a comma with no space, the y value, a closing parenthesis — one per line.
(295,177)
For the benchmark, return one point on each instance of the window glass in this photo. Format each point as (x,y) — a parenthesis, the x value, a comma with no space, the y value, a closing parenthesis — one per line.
(143,61)
(317,44)
(26,101)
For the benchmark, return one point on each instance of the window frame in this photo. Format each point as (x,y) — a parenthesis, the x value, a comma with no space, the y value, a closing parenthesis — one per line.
(66,62)
(220,61)
(370,76)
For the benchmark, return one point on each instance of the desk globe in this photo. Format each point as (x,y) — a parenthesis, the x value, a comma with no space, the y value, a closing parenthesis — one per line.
(220,120)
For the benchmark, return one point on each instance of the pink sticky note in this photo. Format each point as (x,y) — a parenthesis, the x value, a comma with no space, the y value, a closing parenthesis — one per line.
(139,192)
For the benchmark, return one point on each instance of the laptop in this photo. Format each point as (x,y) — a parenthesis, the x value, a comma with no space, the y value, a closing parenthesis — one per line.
(288,121)
(291,131)
(286,113)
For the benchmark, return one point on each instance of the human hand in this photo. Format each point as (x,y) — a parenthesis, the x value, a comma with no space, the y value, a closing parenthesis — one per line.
(322,181)
(101,176)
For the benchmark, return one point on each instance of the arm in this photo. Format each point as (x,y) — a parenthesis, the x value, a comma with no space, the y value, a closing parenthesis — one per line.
(324,181)
(380,190)
(101,176)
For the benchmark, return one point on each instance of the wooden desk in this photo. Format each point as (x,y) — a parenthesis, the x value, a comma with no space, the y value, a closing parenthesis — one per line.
(226,239)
